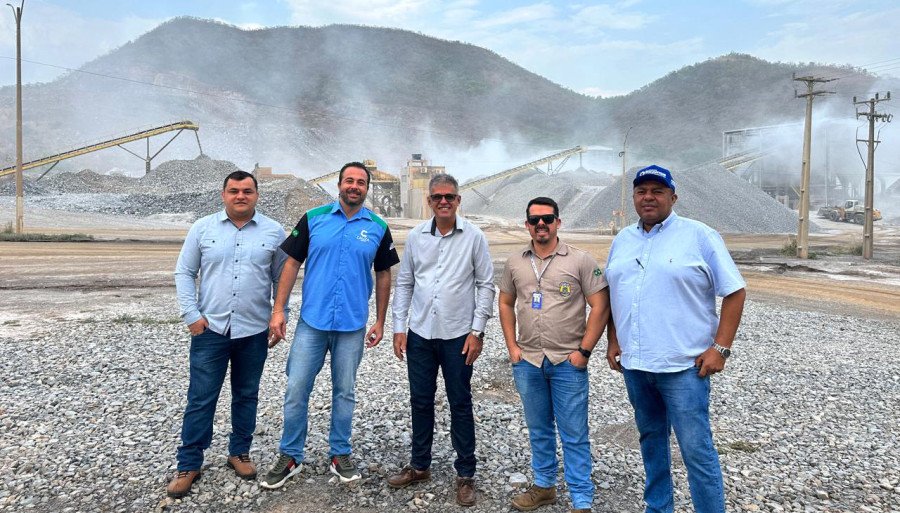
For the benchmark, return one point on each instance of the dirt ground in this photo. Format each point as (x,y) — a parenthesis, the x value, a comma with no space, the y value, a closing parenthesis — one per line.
(56,279)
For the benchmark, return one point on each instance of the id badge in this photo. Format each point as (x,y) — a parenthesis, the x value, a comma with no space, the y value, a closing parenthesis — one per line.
(536,300)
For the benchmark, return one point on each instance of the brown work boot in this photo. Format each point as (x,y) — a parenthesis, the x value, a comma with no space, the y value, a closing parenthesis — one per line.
(534,497)
(465,491)
(408,476)
(243,467)
(180,485)
(580,510)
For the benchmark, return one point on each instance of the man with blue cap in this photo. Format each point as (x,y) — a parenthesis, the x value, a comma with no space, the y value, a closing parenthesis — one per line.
(664,275)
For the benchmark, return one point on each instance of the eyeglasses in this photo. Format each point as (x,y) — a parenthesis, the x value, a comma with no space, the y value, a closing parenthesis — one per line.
(449,197)
(546,218)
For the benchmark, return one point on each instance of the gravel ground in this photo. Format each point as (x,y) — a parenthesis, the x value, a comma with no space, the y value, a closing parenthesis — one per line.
(91,406)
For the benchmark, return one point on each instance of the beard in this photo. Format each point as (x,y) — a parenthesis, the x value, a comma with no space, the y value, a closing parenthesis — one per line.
(345,197)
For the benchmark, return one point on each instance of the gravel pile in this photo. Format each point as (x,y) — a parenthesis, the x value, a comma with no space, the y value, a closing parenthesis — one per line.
(199,174)
(507,199)
(174,187)
(709,194)
(93,425)
(87,181)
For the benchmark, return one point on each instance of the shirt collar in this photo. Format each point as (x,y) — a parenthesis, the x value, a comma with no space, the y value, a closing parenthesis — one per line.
(561,249)
(223,216)
(363,212)
(432,228)
(659,226)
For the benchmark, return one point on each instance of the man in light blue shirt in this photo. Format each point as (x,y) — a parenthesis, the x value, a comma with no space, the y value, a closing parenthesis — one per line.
(446,276)
(664,275)
(236,255)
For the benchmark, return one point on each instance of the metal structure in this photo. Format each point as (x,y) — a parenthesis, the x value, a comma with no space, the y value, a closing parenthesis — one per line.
(414,179)
(562,155)
(384,189)
(118,141)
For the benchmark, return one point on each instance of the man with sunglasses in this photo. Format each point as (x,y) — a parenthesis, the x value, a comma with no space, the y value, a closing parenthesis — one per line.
(341,243)
(664,274)
(546,287)
(442,301)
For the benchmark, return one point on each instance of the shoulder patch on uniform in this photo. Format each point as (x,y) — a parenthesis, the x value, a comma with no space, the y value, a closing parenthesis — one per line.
(597,272)
(378,220)
(324,209)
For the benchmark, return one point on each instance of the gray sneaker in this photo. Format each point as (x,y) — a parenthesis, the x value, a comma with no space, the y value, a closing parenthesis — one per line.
(281,471)
(343,467)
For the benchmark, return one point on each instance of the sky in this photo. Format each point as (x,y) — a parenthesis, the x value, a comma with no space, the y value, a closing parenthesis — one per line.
(595,48)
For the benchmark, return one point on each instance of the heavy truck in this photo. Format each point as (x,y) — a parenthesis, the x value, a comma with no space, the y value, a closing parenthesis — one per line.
(852,211)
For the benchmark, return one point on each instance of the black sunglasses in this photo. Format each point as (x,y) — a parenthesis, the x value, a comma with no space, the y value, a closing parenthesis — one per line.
(449,197)
(546,218)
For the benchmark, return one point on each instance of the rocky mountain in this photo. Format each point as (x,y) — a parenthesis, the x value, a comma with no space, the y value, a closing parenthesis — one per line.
(304,100)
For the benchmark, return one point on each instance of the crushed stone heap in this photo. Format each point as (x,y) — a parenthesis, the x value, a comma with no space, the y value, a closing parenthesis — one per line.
(708,193)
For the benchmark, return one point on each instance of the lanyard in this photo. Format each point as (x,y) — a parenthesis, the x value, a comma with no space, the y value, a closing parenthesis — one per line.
(537,275)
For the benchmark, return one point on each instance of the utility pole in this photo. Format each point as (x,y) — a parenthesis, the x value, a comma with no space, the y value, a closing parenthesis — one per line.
(803,212)
(622,216)
(868,225)
(20,202)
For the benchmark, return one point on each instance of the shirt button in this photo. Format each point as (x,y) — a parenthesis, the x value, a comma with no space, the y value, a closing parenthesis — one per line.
(235,277)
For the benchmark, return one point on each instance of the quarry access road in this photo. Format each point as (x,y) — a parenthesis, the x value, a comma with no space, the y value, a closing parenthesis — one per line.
(142,258)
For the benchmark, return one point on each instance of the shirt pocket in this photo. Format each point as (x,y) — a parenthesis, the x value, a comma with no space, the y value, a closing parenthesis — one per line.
(262,253)
(212,250)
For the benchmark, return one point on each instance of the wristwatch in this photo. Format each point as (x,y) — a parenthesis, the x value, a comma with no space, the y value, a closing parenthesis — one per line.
(724,351)
(584,352)
(478,334)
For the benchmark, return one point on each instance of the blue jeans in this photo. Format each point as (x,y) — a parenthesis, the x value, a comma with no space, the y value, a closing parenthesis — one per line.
(676,400)
(557,392)
(209,357)
(304,363)
(423,358)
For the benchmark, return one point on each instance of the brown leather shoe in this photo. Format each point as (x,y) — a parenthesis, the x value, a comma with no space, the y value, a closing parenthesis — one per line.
(534,497)
(243,467)
(465,491)
(408,476)
(180,485)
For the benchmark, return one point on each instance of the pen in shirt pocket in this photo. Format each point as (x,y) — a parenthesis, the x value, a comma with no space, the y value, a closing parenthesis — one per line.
(639,262)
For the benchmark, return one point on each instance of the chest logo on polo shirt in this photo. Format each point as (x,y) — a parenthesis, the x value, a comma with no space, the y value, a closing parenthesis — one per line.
(565,289)
(363,236)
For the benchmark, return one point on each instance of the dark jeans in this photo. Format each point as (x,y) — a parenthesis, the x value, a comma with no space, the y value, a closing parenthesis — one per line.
(424,357)
(210,354)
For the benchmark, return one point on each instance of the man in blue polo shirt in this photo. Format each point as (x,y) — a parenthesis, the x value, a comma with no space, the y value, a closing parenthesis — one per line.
(340,242)
(664,275)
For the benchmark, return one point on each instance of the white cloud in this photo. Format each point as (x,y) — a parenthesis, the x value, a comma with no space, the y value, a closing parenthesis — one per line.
(857,37)
(611,17)
(518,16)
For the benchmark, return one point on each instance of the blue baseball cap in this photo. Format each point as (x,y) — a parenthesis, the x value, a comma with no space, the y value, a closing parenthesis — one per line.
(655,173)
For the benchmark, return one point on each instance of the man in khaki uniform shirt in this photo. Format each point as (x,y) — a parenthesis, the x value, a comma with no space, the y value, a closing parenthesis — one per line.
(547,287)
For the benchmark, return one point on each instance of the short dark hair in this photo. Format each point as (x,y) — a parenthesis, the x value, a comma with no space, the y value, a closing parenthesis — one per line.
(355,164)
(541,200)
(238,176)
